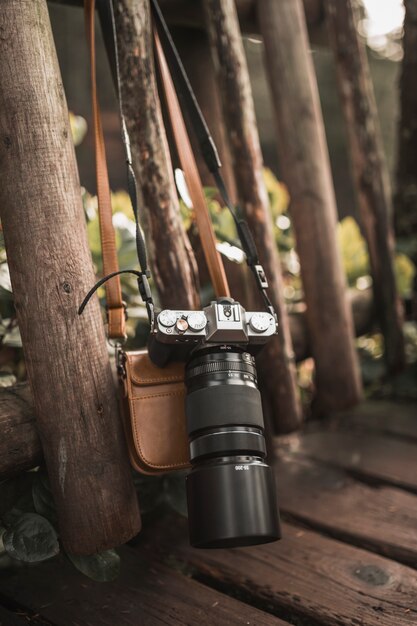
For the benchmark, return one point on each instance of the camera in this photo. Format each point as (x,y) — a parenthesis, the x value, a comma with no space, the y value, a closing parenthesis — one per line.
(230,488)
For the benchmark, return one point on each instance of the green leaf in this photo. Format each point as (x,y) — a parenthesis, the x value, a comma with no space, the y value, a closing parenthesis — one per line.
(31,539)
(354,250)
(404,274)
(102,567)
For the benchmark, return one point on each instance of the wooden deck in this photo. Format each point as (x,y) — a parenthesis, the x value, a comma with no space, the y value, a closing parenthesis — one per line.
(348,497)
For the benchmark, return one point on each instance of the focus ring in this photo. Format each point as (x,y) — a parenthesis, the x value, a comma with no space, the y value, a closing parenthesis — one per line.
(221,366)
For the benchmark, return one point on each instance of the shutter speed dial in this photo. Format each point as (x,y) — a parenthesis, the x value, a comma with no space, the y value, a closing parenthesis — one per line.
(197,321)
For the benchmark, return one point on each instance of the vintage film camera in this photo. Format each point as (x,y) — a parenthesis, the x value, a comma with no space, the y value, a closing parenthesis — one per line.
(230,489)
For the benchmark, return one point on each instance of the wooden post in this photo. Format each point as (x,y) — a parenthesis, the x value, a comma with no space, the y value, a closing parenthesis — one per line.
(276,363)
(172,260)
(51,271)
(304,158)
(370,170)
(406,183)
(194,49)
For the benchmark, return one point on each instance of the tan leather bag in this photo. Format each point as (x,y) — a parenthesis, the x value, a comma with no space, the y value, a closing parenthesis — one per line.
(154,416)
(153,399)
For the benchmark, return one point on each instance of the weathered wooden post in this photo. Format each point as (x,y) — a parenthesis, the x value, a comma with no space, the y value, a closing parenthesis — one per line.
(304,159)
(51,270)
(370,170)
(406,183)
(172,259)
(277,366)
(194,48)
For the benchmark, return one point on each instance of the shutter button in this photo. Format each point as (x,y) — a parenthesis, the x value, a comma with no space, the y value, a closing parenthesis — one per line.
(181,325)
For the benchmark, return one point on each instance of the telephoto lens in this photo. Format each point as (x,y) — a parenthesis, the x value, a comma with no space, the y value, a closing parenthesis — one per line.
(230,489)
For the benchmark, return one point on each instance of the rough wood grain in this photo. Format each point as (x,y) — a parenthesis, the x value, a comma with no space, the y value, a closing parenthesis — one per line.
(304,158)
(146,594)
(381,519)
(51,270)
(374,458)
(194,49)
(370,170)
(174,269)
(406,181)
(305,578)
(276,362)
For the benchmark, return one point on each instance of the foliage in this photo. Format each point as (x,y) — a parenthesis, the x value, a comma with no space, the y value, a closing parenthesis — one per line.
(28,527)
(28,519)
(355,259)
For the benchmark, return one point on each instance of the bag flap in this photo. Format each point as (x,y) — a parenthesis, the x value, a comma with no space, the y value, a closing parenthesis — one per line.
(142,372)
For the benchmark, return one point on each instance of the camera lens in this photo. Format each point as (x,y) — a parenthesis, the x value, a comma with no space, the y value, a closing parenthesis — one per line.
(230,489)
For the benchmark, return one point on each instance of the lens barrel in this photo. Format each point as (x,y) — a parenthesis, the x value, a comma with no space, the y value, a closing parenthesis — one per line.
(230,490)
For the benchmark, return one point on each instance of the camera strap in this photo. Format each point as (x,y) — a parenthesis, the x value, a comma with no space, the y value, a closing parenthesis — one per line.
(178,76)
(116,308)
(172,73)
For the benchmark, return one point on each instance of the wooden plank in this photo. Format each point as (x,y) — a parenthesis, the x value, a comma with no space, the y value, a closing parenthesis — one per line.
(383,520)
(145,593)
(381,416)
(312,580)
(371,457)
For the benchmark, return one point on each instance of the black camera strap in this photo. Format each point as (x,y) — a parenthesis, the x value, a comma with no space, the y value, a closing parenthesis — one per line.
(206,144)
(208,149)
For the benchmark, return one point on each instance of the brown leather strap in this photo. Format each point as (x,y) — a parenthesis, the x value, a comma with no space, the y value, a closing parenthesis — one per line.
(192,177)
(115,306)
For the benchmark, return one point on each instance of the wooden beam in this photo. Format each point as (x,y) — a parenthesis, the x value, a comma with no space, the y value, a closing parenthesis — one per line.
(370,170)
(174,269)
(304,159)
(276,362)
(186,13)
(51,271)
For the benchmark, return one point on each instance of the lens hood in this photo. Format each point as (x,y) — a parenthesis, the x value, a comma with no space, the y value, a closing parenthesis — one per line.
(232,502)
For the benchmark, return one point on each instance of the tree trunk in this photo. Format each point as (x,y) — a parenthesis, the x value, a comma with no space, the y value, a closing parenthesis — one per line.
(406,184)
(172,260)
(305,165)
(51,271)
(370,170)
(276,362)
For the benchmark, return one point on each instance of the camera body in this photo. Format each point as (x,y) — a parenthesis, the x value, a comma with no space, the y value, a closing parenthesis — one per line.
(230,489)
(224,322)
